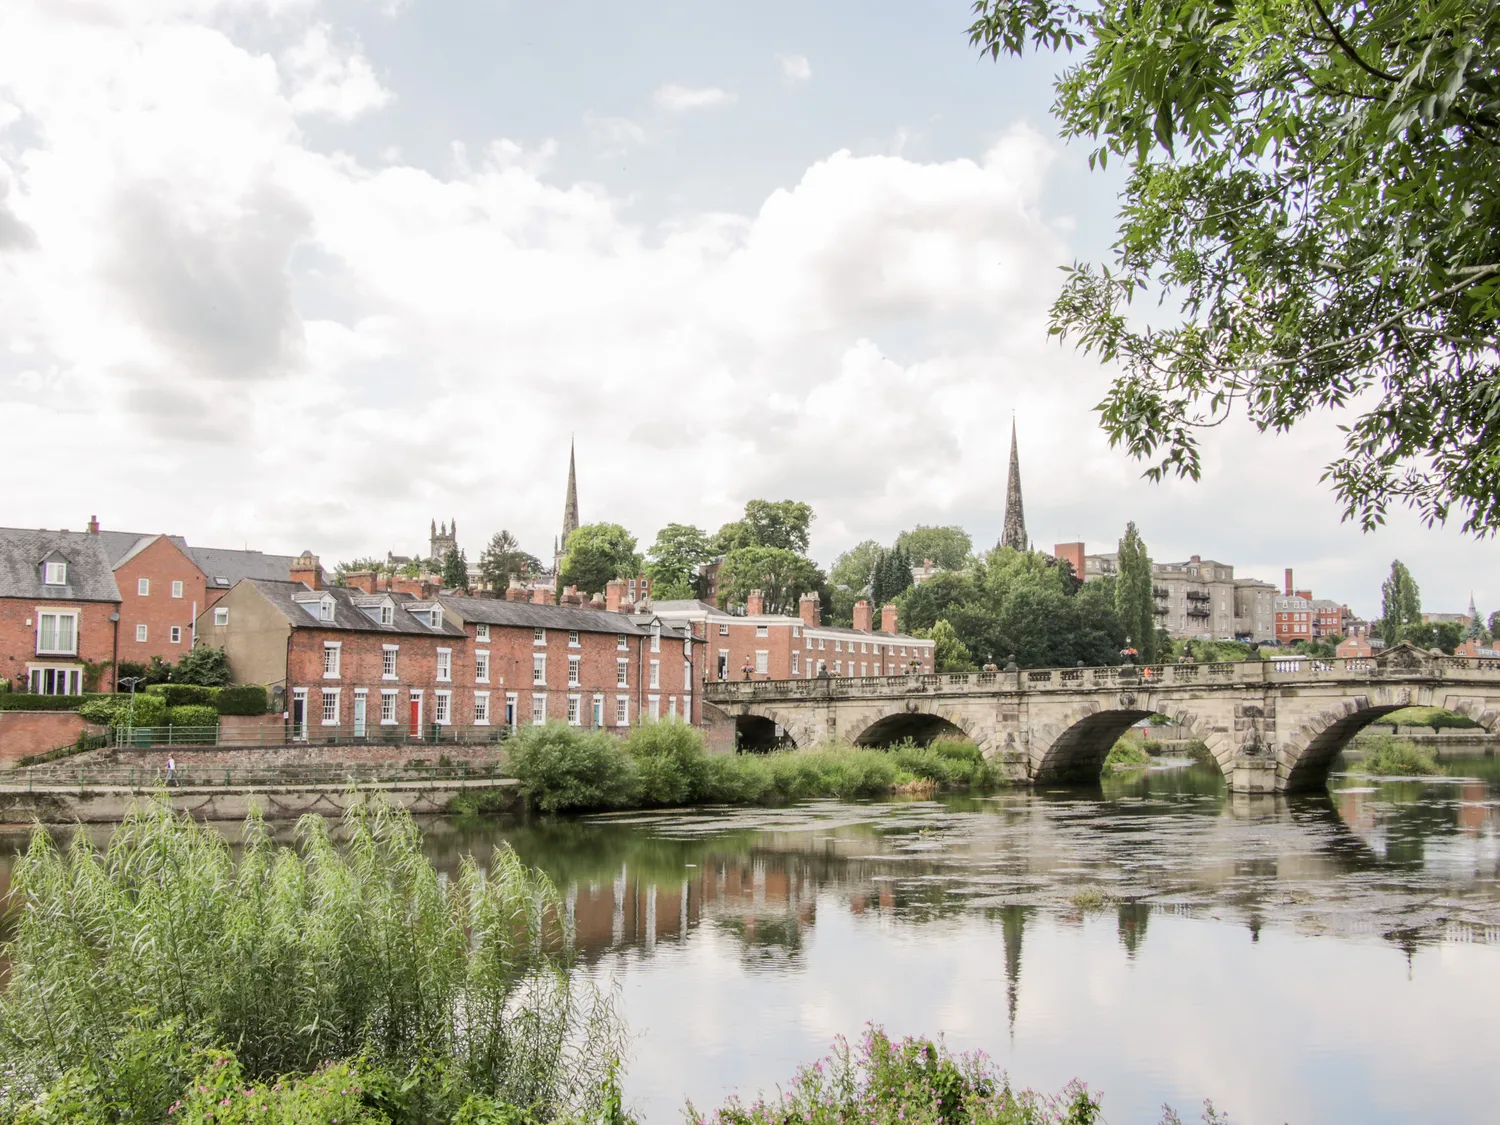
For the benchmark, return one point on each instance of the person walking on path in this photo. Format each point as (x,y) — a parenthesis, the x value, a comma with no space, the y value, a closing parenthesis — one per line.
(171,770)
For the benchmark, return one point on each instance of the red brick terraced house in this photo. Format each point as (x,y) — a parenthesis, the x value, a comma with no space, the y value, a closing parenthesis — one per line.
(592,668)
(59,611)
(344,663)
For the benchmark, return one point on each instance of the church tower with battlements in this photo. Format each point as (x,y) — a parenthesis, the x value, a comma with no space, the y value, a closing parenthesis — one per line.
(444,538)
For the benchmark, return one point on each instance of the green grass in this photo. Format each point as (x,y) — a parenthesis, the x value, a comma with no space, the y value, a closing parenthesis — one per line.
(1388,756)
(1435,717)
(1126,754)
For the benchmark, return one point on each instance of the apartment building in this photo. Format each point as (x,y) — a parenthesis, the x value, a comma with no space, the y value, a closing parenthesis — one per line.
(1200,598)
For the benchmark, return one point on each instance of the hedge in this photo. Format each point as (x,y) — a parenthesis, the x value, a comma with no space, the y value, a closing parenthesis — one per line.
(184,695)
(190,715)
(242,699)
(26,701)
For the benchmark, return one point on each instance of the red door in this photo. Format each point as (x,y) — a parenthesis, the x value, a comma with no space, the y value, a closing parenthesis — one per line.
(416,718)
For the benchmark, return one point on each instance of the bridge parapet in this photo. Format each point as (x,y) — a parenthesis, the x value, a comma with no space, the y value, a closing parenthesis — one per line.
(1403,665)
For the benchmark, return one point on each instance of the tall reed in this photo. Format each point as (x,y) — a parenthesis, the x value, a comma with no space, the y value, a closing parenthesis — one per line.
(291,956)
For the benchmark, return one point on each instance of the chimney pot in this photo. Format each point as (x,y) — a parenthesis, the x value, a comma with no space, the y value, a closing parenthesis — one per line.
(809,608)
(307,570)
(888,619)
(614,595)
(542,595)
(93,525)
(755,604)
(864,616)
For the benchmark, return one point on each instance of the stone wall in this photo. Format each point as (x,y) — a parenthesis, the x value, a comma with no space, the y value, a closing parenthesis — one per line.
(23,733)
(302,754)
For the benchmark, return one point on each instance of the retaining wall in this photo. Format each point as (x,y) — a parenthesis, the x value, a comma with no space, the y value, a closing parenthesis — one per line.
(23,733)
(302,754)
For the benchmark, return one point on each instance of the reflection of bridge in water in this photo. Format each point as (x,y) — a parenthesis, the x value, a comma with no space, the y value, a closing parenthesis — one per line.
(1272,726)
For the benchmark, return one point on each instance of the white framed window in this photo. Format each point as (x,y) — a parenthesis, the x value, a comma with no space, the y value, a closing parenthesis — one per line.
(724,629)
(539,668)
(539,636)
(387,615)
(762,661)
(572,638)
(575,667)
(622,673)
(481,632)
(512,709)
(325,610)
(221,617)
(538,710)
(838,646)
(481,708)
(822,644)
(388,707)
(143,587)
(598,711)
(903,650)
(622,643)
(838,667)
(46,680)
(442,707)
(444,664)
(177,587)
(796,663)
(762,630)
(332,651)
(672,708)
(482,666)
(388,661)
(622,710)
(55,574)
(655,638)
(864,668)
(575,710)
(331,707)
(796,630)
(141,632)
(687,675)
(653,703)
(176,634)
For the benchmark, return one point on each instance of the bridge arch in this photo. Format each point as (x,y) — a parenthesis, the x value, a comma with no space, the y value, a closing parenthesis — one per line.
(919,725)
(1072,748)
(756,731)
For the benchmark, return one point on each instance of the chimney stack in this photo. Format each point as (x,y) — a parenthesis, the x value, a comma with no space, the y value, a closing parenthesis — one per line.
(614,595)
(307,570)
(571,596)
(864,616)
(755,604)
(1288,581)
(93,525)
(810,609)
(362,580)
(888,619)
(515,592)
(542,595)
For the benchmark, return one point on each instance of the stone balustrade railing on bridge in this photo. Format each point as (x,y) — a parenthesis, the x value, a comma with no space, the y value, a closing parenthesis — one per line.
(1282,671)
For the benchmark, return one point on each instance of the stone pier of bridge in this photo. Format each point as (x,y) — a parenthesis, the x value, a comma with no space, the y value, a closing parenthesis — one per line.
(1272,726)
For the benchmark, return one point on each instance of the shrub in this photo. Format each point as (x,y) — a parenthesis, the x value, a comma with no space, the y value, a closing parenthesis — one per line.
(26,701)
(669,762)
(561,769)
(1125,755)
(1198,750)
(1388,756)
(192,715)
(295,956)
(104,710)
(242,699)
(150,710)
(208,667)
(183,695)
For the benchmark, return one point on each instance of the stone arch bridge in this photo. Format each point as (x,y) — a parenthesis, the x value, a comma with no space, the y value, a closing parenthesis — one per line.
(1272,726)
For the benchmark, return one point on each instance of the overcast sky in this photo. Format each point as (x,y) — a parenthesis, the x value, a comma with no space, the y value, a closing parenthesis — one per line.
(310,273)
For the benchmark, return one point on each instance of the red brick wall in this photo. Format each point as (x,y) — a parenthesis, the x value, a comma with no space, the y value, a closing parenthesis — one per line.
(23,733)
(160,564)
(742,643)
(18,633)
(360,662)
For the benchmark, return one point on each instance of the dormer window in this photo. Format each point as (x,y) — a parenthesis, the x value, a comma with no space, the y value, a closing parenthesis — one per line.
(55,574)
(435,618)
(387,614)
(325,609)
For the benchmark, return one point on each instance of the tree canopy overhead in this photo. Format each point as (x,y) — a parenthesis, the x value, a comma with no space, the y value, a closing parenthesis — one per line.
(1313,188)
(597,553)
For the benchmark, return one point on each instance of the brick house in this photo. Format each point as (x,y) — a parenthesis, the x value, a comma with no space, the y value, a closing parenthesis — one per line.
(342,661)
(59,611)
(772,646)
(586,667)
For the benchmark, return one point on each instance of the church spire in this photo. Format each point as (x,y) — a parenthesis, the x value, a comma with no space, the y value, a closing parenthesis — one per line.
(570,506)
(1015,516)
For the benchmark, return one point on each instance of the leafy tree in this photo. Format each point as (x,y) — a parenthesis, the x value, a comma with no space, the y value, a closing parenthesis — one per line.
(455,570)
(949,653)
(783,523)
(1444,635)
(892,576)
(1494,623)
(1400,604)
(342,571)
(502,559)
(679,550)
(671,590)
(204,666)
(1133,599)
(782,577)
(948,547)
(597,553)
(849,580)
(1313,186)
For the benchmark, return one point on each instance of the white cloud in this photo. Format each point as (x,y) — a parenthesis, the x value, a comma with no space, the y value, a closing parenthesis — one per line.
(373,344)
(680,99)
(330,81)
(615,136)
(795,68)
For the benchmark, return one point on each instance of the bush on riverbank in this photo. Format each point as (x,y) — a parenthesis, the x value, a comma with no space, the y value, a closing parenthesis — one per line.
(295,957)
(1388,756)
(562,769)
(1125,755)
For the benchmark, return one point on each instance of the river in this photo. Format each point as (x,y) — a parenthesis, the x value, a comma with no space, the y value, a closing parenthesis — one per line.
(1324,958)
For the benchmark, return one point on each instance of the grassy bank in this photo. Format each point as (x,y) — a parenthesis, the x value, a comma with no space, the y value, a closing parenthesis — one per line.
(1388,756)
(563,769)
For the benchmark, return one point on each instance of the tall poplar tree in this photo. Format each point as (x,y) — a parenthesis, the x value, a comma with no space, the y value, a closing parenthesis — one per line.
(1400,604)
(1133,601)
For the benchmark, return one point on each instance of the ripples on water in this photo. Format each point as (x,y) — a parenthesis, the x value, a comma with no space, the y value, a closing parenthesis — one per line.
(1312,959)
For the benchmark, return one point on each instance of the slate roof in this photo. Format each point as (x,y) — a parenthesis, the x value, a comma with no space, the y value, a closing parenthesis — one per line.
(122,545)
(346,615)
(713,613)
(497,611)
(90,576)
(235,566)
